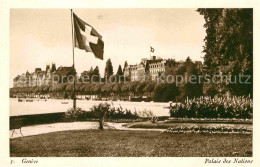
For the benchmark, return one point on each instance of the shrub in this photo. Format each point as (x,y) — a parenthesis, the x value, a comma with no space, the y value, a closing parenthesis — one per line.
(99,111)
(75,114)
(210,90)
(217,107)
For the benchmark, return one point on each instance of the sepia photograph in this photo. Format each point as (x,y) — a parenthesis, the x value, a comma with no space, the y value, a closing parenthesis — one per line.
(130,82)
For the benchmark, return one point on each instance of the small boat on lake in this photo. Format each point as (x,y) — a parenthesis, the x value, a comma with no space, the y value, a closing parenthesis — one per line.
(29,100)
(20,100)
(64,102)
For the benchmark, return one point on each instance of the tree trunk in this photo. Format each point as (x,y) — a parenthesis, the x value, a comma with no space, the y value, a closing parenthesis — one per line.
(101,124)
(101,121)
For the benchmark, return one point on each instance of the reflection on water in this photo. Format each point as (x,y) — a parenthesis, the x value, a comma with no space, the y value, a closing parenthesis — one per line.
(54,105)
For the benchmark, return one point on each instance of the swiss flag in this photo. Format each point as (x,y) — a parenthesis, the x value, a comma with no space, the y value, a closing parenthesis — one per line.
(87,38)
(151,49)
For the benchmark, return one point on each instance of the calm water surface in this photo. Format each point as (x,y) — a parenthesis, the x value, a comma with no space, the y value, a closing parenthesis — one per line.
(54,105)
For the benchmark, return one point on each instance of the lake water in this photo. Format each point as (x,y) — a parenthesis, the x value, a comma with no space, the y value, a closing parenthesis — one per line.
(54,105)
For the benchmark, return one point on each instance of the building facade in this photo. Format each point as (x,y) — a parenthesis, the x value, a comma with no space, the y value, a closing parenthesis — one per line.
(43,77)
(153,68)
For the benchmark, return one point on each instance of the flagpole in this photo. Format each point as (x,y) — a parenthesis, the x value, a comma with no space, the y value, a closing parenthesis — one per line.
(74,79)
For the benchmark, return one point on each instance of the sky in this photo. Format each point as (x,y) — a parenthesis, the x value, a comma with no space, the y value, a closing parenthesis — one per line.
(43,36)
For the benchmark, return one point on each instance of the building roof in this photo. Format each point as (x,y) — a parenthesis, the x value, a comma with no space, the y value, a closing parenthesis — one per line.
(16,78)
(65,71)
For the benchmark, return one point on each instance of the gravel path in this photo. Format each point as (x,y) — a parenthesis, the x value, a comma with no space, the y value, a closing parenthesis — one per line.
(55,127)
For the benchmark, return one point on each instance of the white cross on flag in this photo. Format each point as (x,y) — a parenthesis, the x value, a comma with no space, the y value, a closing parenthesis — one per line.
(87,38)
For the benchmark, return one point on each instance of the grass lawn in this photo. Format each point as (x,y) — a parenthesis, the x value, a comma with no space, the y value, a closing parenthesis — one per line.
(116,143)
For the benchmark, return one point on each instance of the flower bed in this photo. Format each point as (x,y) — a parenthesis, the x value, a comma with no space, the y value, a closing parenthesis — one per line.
(217,107)
(210,129)
(210,120)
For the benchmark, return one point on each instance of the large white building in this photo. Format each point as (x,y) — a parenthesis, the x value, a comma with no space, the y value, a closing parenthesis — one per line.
(153,68)
(36,78)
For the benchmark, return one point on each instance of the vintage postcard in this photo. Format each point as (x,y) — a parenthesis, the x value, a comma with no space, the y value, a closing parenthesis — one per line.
(166,85)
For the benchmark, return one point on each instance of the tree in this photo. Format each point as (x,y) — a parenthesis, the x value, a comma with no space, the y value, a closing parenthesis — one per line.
(100,111)
(140,88)
(149,87)
(125,88)
(96,75)
(46,89)
(125,65)
(117,88)
(107,89)
(97,88)
(86,88)
(229,45)
(132,87)
(119,71)
(164,92)
(119,74)
(193,87)
(108,69)
(209,90)
(69,88)
(87,75)
(91,75)
(188,60)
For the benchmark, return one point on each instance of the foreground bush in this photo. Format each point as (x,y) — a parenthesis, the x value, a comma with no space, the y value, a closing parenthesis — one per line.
(217,107)
(100,113)
(105,111)
(75,114)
